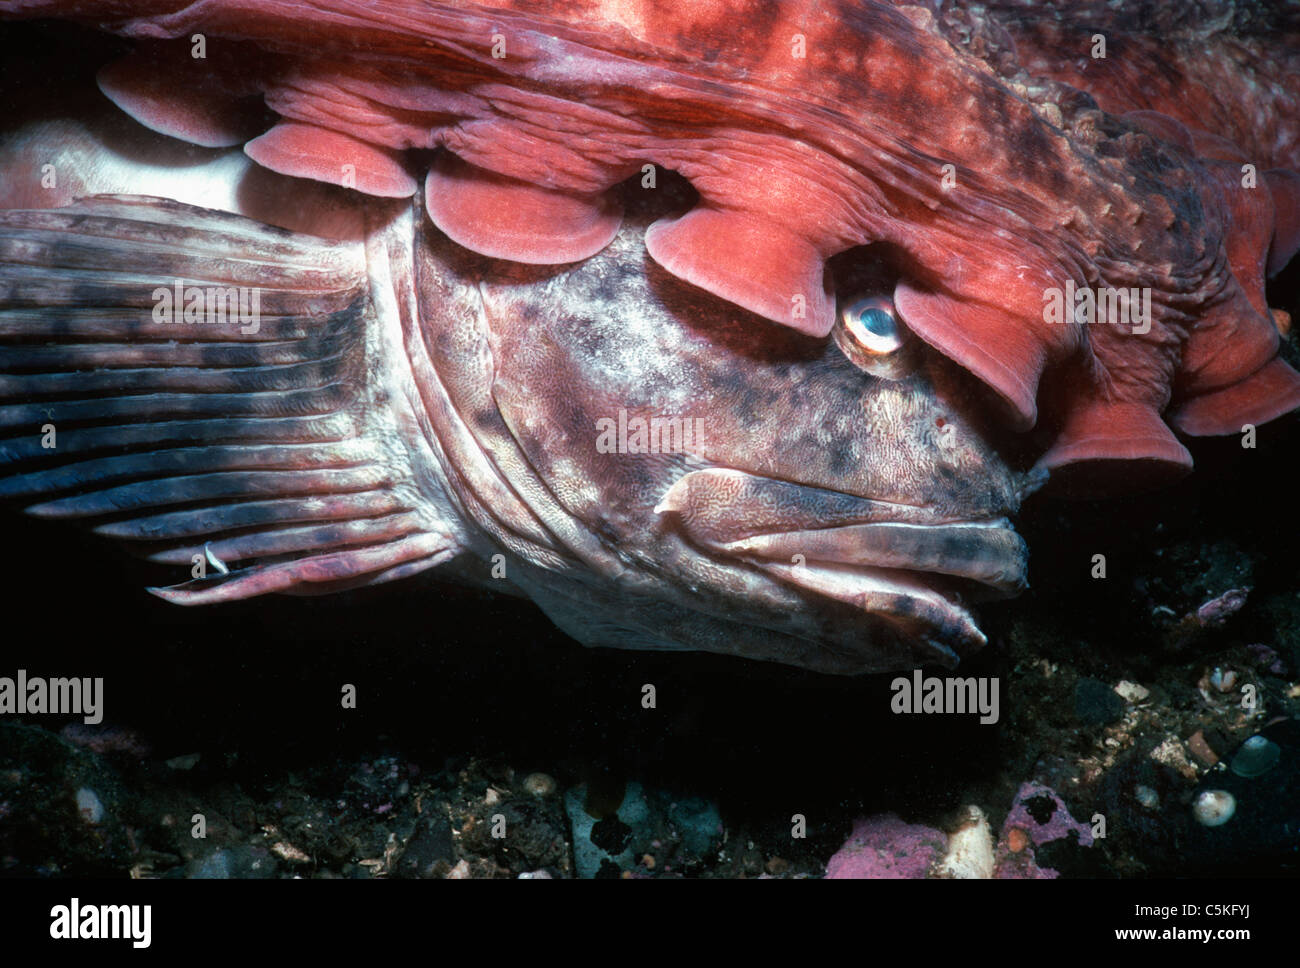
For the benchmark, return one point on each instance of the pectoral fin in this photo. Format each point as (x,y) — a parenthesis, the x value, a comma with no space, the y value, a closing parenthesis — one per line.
(207,387)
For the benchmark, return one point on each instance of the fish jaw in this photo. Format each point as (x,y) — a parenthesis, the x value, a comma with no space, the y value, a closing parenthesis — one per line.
(718,509)
(886,560)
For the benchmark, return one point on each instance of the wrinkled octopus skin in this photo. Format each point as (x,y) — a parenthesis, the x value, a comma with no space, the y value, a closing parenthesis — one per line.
(732,325)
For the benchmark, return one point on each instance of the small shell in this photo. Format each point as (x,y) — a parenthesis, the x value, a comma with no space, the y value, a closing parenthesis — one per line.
(1223,679)
(1256,757)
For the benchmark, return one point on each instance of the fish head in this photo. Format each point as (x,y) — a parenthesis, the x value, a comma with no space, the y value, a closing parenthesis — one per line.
(710,480)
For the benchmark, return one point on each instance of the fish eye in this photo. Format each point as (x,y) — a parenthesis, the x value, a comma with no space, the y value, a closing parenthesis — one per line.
(872,323)
(872,336)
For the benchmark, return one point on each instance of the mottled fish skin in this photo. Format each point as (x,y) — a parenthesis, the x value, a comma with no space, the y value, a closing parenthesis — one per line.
(454,376)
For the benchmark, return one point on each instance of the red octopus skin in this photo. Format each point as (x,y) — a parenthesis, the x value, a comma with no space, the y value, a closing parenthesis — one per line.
(808,128)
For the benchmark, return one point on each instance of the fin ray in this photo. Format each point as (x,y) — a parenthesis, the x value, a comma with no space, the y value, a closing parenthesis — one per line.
(259,435)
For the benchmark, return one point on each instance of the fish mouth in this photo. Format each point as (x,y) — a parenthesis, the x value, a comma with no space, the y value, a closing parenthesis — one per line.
(905,564)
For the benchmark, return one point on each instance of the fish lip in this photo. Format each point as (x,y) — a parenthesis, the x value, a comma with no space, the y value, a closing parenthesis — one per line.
(754,516)
(941,629)
(995,556)
(840,561)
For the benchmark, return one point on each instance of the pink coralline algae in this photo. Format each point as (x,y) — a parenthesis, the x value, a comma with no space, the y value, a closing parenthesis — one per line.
(1037,817)
(884,846)
(1042,815)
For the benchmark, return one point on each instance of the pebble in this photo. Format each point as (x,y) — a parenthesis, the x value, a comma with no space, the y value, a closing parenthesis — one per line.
(1171,754)
(1095,703)
(1214,808)
(1146,796)
(89,805)
(1132,691)
(1200,748)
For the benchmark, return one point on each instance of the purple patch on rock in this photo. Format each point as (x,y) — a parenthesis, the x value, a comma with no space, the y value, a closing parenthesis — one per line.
(1042,815)
(884,846)
(1267,657)
(1218,610)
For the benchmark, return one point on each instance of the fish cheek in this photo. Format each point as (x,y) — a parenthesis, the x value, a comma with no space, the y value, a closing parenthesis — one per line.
(562,408)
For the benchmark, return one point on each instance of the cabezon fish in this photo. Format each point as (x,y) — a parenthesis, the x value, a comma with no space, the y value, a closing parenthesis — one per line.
(779,414)
(402,401)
